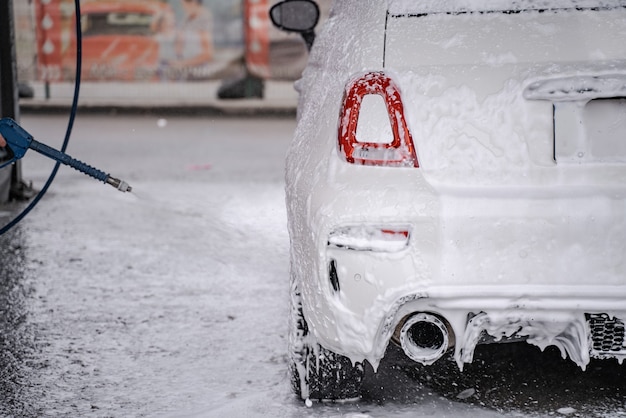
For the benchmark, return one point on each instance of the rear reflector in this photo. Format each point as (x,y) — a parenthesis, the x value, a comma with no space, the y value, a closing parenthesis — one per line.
(399,151)
(370,238)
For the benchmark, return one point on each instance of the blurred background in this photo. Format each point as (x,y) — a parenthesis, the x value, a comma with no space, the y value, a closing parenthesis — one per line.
(157,53)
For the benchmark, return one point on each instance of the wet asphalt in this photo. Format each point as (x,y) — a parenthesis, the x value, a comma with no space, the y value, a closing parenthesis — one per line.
(129,305)
(516,379)
(16,337)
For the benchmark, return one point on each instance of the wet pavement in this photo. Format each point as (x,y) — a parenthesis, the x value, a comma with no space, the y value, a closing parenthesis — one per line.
(16,339)
(132,304)
(171,301)
(514,379)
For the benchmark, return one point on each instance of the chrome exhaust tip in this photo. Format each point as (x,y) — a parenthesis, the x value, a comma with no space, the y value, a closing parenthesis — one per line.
(425,338)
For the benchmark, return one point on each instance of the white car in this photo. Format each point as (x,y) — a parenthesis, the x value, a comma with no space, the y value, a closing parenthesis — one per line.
(457,177)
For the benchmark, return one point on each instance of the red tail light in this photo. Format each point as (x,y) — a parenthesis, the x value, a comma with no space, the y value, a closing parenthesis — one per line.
(400,151)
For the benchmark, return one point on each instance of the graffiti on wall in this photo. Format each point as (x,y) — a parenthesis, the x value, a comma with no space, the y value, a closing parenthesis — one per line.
(138,39)
(163,40)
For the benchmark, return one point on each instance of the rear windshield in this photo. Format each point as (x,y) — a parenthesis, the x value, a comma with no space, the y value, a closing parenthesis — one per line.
(425,7)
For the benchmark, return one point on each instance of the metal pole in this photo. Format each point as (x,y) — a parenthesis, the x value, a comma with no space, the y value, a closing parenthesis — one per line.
(8,79)
(9,95)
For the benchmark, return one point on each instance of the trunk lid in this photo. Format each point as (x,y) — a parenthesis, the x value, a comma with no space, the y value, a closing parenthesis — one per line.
(476,83)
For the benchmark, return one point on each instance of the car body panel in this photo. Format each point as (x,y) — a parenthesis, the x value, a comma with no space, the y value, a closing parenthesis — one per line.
(501,225)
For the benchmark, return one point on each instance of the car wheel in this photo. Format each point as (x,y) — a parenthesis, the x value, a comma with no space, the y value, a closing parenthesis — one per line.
(318,373)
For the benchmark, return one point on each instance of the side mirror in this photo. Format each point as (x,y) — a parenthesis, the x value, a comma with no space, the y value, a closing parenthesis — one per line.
(299,16)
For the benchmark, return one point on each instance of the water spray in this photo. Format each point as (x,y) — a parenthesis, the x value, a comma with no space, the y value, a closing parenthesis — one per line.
(19,141)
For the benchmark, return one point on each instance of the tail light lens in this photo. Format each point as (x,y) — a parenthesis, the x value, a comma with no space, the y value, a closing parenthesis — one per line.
(398,150)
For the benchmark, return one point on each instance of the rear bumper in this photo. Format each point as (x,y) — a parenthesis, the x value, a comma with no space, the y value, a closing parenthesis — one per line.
(540,257)
(535,261)
(583,322)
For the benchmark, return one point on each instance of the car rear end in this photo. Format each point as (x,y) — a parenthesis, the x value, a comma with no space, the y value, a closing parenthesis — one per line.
(473,188)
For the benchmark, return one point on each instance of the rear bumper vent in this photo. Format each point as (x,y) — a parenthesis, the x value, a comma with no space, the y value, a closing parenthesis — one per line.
(606,334)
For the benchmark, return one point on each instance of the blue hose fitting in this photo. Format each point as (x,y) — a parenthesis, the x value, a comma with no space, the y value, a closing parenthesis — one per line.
(19,141)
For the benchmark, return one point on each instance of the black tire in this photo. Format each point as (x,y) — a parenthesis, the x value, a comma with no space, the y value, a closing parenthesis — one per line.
(317,373)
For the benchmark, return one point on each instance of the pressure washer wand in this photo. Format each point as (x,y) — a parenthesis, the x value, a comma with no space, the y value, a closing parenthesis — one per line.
(19,141)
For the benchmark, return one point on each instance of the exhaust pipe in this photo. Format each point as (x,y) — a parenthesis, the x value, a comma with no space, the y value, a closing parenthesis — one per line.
(425,338)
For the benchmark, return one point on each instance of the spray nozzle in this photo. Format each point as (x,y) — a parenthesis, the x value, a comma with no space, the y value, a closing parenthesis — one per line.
(19,141)
(120,185)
